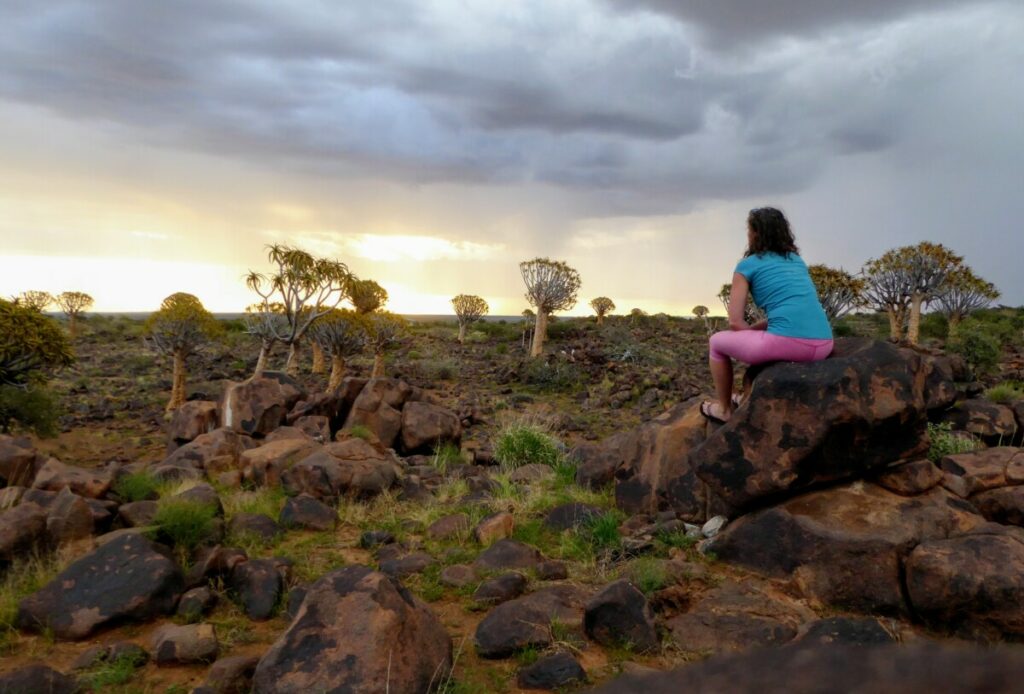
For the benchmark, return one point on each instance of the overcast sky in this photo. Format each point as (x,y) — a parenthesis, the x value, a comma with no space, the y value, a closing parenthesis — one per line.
(152,147)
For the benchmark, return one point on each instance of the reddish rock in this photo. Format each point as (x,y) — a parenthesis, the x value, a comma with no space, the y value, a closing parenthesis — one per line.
(1004,505)
(19,462)
(68,518)
(804,424)
(497,526)
(191,643)
(352,467)
(526,621)
(508,554)
(619,616)
(265,464)
(217,450)
(426,426)
(231,675)
(991,422)
(449,527)
(909,479)
(22,529)
(258,406)
(986,469)
(192,420)
(317,427)
(357,631)
(55,476)
(378,408)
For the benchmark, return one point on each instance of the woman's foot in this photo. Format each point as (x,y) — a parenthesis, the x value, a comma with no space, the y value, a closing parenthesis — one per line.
(713,411)
(737,400)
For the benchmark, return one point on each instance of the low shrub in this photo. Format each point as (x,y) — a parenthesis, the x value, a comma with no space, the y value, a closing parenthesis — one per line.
(33,407)
(648,574)
(944,441)
(447,455)
(24,576)
(1006,393)
(138,486)
(360,432)
(185,523)
(976,345)
(523,444)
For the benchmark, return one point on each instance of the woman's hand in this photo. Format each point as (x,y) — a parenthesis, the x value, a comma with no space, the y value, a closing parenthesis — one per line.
(738,304)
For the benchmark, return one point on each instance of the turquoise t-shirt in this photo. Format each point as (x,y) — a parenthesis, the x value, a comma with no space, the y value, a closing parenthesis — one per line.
(782,287)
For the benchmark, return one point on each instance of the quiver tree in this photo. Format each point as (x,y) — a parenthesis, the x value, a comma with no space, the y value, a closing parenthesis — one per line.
(35,299)
(963,293)
(838,291)
(752,313)
(385,331)
(469,308)
(366,296)
(602,306)
(31,346)
(702,312)
(265,321)
(551,286)
(306,287)
(887,288)
(178,330)
(927,265)
(340,335)
(73,304)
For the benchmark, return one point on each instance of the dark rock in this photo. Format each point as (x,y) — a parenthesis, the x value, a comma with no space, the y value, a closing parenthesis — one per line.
(124,580)
(216,451)
(334,405)
(256,525)
(375,538)
(19,462)
(457,575)
(551,672)
(530,473)
(507,554)
(231,675)
(265,464)
(805,424)
(552,570)
(137,513)
(986,469)
(426,426)
(852,631)
(571,515)
(191,643)
(449,527)
(22,529)
(826,668)
(400,567)
(378,408)
(257,585)
(211,563)
(192,420)
(991,422)
(351,467)
(526,621)
(500,589)
(258,406)
(910,479)
(195,603)
(202,494)
(303,511)
(971,585)
(1004,505)
(494,527)
(843,546)
(68,518)
(54,476)
(398,639)
(38,679)
(619,616)
(295,597)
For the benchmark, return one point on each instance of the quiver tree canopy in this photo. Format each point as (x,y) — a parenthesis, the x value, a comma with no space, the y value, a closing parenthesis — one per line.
(32,346)
(602,306)
(838,291)
(551,285)
(35,299)
(73,304)
(341,334)
(306,287)
(385,331)
(469,308)
(179,329)
(962,294)
(366,295)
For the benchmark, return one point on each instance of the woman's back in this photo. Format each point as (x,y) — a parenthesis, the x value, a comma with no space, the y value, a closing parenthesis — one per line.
(782,287)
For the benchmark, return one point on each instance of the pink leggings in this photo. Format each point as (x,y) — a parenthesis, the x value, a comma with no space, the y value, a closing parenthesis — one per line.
(760,346)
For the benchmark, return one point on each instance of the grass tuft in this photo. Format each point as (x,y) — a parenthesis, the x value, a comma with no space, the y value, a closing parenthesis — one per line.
(1006,393)
(185,523)
(23,577)
(944,441)
(523,444)
(138,486)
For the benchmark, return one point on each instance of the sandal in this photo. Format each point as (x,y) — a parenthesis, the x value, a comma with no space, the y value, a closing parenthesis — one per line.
(737,400)
(705,409)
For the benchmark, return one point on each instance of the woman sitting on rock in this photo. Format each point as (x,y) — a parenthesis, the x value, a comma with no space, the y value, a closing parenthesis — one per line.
(776,277)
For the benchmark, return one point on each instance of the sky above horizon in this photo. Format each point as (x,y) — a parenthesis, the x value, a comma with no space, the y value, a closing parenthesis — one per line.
(148,148)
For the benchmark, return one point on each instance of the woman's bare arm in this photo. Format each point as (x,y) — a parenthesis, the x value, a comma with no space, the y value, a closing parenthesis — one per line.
(738,303)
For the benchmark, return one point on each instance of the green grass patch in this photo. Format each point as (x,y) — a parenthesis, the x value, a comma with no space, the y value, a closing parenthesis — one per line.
(360,431)
(265,500)
(137,486)
(23,577)
(113,673)
(185,523)
(1006,393)
(524,444)
(945,442)
(648,574)
(446,456)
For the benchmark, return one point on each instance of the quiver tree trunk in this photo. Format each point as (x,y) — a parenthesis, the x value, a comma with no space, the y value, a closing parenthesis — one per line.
(954,325)
(261,361)
(897,316)
(318,359)
(337,372)
(378,366)
(462,332)
(600,319)
(73,325)
(914,326)
(291,367)
(177,383)
(539,334)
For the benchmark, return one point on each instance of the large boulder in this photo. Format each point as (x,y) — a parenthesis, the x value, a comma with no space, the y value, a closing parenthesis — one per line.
(843,546)
(526,621)
(357,631)
(379,408)
(991,422)
(19,462)
(215,451)
(351,467)
(192,420)
(986,469)
(425,426)
(22,529)
(69,517)
(922,667)
(123,580)
(972,585)
(620,616)
(55,476)
(258,406)
(38,679)
(263,465)
(806,424)
(334,404)
(650,465)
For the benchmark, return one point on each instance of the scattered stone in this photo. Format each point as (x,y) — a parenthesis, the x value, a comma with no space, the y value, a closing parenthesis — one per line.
(258,585)
(378,408)
(449,527)
(497,526)
(526,621)
(137,513)
(55,476)
(507,554)
(571,515)
(119,650)
(457,575)
(375,538)
(551,672)
(531,473)
(426,426)
(413,563)
(713,526)
(256,525)
(123,580)
(190,643)
(910,479)
(215,451)
(231,675)
(986,469)
(22,529)
(495,591)
(851,631)
(303,511)
(552,570)
(397,639)
(352,467)
(38,679)
(265,464)
(195,603)
(215,562)
(619,616)
(202,494)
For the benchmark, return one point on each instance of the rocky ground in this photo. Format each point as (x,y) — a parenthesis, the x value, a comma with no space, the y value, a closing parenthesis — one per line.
(479,523)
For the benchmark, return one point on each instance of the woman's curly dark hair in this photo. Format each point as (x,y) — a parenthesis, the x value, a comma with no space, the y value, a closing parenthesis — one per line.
(771,232)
